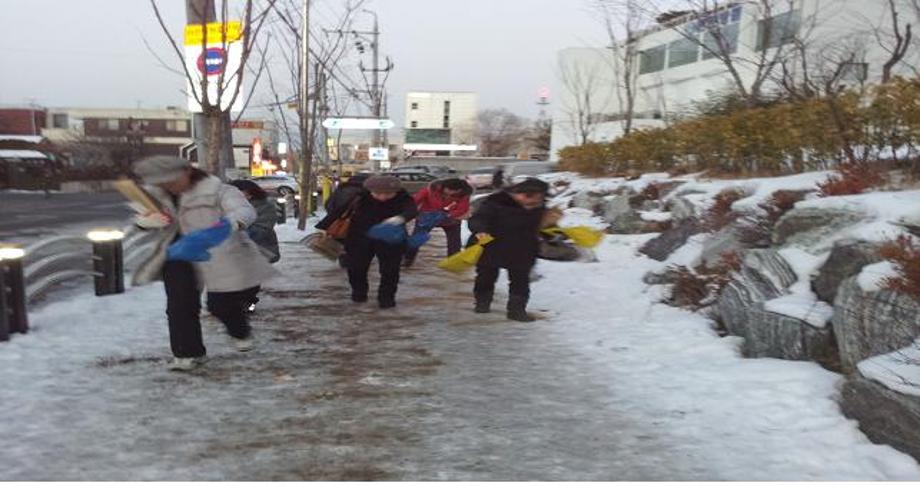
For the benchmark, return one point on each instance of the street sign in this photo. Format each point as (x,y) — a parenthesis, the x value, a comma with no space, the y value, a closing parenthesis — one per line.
(212,61)
(218,61)
(358,124)
(379,153)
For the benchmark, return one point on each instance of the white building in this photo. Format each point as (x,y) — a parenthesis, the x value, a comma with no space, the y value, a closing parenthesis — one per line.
(440,118)
(675,69)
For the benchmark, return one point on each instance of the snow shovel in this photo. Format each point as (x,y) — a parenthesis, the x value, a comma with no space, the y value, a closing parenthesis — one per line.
(467,258)
(194,246)
(582,236)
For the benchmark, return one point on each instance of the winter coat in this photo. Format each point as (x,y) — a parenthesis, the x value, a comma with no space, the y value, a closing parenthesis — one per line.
(431,199)
(516,231)
(369,212)
(343,195)
(262,231)
(236,264)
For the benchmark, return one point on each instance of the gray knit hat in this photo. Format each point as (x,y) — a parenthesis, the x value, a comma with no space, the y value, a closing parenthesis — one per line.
(383,183)
(160,169)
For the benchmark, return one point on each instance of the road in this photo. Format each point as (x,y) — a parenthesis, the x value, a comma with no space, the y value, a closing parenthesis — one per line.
(29,216)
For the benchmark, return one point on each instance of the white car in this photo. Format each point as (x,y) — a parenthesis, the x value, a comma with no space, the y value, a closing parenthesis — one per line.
(283,185)
(480,178)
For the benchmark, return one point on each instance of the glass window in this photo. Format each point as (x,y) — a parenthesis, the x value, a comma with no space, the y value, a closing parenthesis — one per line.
(683,51)
(177,125)
(446,122)
(778,30)
(414,124)
(59,120)
(652,60)
(727,35)
(414,106)
(736,14)
(109,124)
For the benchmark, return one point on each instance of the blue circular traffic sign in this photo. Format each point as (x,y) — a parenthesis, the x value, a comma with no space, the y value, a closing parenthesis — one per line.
(211,62)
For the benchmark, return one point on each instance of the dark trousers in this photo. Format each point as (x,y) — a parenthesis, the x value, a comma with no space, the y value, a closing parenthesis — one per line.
(389,258)
(454,242)
(485,282)
(183,308)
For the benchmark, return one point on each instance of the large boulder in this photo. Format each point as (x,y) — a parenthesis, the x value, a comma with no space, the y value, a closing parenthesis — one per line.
(622,217)
(872,323)
(809,226)
(847,258)
(681,208)
(722,242)
(590,200)
(765,275)
(661,247)
(884,415)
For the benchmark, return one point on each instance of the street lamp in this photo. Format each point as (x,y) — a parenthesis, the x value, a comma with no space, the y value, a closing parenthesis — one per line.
(108,261)
(13,316)
(282,210)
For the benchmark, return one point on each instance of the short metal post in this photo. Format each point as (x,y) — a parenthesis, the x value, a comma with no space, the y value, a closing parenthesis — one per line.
(108,262)
(282,210)
(14,316)
(297,207)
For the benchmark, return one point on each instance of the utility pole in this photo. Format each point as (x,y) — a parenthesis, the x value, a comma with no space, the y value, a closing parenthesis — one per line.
(306,150)
(202,12)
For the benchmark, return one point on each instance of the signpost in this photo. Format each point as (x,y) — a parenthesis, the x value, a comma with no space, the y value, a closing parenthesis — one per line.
(218,62)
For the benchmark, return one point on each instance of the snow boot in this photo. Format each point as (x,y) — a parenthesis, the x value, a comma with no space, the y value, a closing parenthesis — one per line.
(517,309)
(483,304)
(186,364)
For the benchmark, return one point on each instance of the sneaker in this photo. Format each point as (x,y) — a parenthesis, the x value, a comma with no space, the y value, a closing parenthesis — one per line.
(186,364)
(243,345)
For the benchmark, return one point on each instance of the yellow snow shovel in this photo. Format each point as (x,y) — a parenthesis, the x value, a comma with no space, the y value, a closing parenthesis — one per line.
(466,259)
(582,236)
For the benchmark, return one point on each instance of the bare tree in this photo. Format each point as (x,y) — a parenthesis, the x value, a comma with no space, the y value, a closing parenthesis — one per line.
(623,20)
(500,132)
(585,97)
(895,42)
(228,84)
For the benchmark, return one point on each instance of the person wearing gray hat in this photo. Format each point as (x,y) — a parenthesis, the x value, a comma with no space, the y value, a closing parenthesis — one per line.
(382,202)
(193,200)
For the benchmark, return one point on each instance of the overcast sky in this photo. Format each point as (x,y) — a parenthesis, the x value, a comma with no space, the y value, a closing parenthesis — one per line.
(92,52)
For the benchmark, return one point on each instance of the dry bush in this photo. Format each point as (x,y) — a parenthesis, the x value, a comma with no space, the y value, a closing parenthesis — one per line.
(852,178)
(720,214)
(698,287)
(756,231)
(905,253)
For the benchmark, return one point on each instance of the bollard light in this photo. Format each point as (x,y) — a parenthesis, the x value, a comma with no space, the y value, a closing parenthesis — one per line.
(13,314)
(282,210)
(108,261)
(297,206)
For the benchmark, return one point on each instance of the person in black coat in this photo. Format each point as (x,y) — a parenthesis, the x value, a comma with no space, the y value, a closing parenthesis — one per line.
(383,201)
(513,218)
(344,195)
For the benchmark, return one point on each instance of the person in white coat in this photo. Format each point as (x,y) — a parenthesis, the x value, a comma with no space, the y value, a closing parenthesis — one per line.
(193,200)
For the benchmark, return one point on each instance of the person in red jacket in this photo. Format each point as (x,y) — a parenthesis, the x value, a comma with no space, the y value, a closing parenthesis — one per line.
(450,197)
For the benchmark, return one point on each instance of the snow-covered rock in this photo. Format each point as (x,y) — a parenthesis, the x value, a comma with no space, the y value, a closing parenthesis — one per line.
(872,277)
(757,306)
(808,226)
(885,415)
(662,246)
(846,259)
(721,242)
(868,324)
(682,208)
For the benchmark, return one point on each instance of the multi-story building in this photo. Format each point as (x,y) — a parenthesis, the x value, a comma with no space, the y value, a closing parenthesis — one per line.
(681,61)
(446,119)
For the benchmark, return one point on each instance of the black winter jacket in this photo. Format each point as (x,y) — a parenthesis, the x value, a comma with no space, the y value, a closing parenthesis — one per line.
(263,230)
(369,212)
(516,231)
(343,195)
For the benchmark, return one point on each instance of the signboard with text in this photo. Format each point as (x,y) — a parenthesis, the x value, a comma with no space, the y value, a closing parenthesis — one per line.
(214,54)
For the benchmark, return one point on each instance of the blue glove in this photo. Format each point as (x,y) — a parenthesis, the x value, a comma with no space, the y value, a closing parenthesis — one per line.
(194,246)
(431,219)
(418,240)
(392,234)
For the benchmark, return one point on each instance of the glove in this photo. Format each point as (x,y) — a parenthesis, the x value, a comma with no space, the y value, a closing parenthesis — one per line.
(152,221)
(194,246)
(395,220)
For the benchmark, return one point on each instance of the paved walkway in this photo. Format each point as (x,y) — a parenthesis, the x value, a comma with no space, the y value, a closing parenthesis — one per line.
(338,391)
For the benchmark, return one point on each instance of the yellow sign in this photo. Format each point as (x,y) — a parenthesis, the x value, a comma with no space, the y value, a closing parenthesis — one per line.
(216,31)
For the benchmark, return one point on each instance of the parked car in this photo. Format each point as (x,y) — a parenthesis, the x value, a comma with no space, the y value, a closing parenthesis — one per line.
(518,171)
(480,178)
(283,185)
(437,170)
(415,181)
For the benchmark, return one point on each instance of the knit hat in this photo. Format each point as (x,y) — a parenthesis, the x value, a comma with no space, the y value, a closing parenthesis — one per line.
(383,183)
(530,185)
(160,169)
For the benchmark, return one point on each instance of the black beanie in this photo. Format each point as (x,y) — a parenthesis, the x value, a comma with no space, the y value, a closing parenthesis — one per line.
(530,185)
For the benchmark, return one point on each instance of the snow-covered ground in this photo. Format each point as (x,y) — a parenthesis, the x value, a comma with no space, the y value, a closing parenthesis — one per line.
(608,385)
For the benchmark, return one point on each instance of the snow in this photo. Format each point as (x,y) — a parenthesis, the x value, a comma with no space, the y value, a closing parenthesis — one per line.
(872,277)
(610,384)
(22,138)
(22,154)
(801,302)
(656,216)
(882,209)
(758,190)
(898,371)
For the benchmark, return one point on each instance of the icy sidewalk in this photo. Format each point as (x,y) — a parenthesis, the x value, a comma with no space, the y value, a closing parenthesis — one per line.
(606,386)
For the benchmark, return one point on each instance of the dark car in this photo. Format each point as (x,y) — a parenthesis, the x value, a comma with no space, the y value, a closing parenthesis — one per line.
(414,181)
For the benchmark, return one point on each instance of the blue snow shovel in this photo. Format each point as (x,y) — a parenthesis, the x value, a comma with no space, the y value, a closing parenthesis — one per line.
(392,234)
(194,246)
(423,226)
